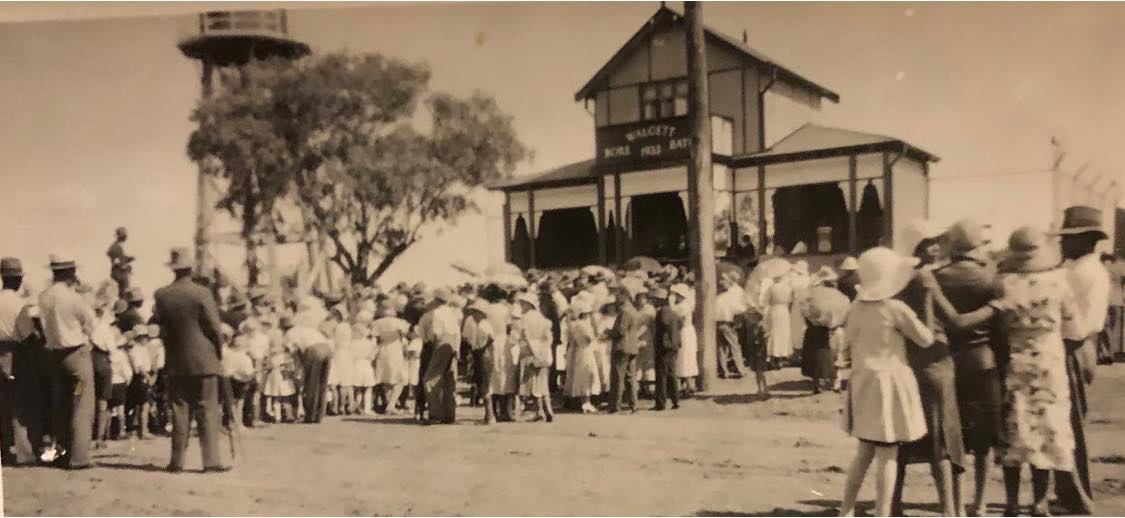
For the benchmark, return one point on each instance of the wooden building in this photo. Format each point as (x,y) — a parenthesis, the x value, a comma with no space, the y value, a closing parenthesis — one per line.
(814,191)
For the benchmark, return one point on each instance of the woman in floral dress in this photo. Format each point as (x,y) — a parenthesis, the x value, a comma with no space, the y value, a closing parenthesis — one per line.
(1037,403)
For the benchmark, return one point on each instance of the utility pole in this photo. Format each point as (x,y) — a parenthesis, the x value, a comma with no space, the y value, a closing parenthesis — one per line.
(701,198)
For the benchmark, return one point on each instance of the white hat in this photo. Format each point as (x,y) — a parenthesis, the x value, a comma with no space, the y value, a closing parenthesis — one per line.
(849,264)
(681,290)
(528,298)
(883,273)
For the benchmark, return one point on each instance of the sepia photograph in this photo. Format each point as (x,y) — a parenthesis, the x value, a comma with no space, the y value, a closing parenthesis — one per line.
(633,258)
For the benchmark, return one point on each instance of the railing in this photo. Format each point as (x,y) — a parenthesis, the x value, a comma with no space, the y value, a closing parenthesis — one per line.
(219,22)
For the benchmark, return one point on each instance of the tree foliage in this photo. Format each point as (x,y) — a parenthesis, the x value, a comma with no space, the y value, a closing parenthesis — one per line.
(341,134)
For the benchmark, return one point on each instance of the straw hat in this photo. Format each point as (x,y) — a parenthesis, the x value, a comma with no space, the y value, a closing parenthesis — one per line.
(825,274)
(849,264)
(133,295)
(181,259)
(528,298)
(774,268)
(658,293)
(1028,251)
(62,262)
(883,273)
(681,290)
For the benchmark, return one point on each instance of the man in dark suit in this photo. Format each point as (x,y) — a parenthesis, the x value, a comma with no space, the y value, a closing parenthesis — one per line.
(666,344)
(191,329)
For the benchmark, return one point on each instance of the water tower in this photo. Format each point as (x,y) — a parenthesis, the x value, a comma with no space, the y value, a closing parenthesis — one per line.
(230,39)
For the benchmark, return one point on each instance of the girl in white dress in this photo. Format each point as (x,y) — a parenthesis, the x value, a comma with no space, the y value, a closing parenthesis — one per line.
(687,360)
(363,351)
(340,374)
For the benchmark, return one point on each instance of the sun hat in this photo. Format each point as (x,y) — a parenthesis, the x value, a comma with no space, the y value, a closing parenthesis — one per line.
(365,316)
(120,306)
(181,259)
(849,264)
(1028,251)
(1081,219)
(139,330)
(825,274)
(154,330)
(442,294)
(966,235)
(774,268)
(285,322)
(883,273)
(11,267)
(388,309)
(62,262)
(529,299)
(681,290)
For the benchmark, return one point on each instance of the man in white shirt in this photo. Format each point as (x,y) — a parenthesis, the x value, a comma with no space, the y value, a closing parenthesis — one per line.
(728,306)
(68,322)
(1089,282)
(440,377)
(17,445)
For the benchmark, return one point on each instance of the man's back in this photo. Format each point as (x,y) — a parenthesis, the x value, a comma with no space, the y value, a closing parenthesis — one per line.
(189,323)
(666,330)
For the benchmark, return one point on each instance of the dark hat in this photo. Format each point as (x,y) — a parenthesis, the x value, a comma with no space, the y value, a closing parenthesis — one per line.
(62,262)
(121,232)
(235,302)
(257,293)
(120,306)
(967,235)
(11,267)
(1081,219)
(181,259)
(285,322)
(134,295)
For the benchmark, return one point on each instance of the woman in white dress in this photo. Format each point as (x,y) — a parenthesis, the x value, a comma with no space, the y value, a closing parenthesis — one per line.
(390,365)
(687,359)
(604,319)
(363,350)
(582,378)
(777,298)
(340,374)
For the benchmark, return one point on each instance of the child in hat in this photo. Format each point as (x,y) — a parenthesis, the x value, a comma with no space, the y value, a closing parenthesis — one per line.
(280,385)
(122,374)
(883,407)
(363,350)
(140,387)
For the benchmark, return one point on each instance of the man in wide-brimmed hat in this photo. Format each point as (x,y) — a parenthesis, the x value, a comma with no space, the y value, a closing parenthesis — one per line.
(666,345)
(20,419)
(626,345)
(68,323)
(1079,234)
(193,337)
(729,305)
(439,376)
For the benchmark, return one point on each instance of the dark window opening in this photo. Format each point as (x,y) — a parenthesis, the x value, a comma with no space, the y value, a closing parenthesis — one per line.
(567,238)
(659,226)
(810,219)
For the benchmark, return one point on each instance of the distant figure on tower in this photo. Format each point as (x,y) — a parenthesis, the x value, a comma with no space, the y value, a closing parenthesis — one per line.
(120,264)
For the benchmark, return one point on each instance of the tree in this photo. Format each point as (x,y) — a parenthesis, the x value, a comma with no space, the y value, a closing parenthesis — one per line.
(339,135)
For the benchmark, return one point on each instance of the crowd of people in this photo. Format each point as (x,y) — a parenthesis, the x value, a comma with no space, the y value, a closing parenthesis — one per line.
(949,353)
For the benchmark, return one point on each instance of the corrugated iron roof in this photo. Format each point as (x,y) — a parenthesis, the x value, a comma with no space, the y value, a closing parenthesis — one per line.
(812,137)
(576,172)
(734,43)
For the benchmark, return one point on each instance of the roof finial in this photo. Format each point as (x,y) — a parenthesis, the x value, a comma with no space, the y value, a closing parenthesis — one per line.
(744,38)
(663,4)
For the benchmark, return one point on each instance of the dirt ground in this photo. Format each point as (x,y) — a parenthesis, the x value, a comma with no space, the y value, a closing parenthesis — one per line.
(728,454)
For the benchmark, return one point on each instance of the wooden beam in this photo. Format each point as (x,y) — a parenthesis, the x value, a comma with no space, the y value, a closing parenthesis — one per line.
(853,206)
(761,210)
(701,198)
(888,201)
(601,222)
(531,228)
(619,227)
(507,227)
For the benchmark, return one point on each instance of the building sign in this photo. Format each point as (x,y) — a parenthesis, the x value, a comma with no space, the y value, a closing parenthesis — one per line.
(646,141)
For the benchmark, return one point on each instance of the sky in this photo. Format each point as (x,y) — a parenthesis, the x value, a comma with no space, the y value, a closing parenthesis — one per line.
(95,105)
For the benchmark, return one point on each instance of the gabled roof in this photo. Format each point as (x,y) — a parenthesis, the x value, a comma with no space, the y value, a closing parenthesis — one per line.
(569,174)
(816,139)
(665,13)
